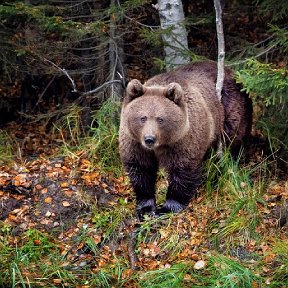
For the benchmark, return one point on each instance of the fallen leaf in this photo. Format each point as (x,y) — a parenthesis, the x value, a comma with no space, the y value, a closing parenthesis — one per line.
(48,200)
(199,265)
(44,190)
(48,214)
(66,204)
(57,281)
(64,184)
(195,257)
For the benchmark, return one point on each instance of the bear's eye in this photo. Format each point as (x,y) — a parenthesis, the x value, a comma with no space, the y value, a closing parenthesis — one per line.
(143,119)
(159,120)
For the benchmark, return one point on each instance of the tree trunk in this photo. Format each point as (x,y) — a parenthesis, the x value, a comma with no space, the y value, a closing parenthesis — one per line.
(175,38)
(116,55)
(221,48)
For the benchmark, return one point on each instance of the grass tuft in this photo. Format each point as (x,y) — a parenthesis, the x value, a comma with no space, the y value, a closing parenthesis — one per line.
(100,143)
(6,147)
(238,193)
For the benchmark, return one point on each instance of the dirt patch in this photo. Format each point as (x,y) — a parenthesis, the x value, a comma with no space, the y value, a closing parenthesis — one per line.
(46,197)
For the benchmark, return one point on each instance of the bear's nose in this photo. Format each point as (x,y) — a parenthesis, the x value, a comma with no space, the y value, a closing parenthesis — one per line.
(149,140)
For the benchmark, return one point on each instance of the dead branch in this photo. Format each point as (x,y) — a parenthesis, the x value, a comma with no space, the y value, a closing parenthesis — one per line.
(63,70)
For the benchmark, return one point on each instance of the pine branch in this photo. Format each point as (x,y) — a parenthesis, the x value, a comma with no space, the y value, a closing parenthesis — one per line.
(221,48)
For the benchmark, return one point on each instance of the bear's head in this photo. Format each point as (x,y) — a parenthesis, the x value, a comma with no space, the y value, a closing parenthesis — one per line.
(155,115)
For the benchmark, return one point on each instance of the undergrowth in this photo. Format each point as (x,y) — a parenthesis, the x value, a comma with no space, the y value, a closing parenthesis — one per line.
(235,190)
(100,143)
(108,247)
(6,147)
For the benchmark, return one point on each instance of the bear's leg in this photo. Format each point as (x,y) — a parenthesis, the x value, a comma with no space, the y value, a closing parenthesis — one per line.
(143,180)
(183,183)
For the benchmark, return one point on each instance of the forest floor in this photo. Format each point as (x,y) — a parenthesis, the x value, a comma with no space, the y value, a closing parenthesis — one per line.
(66,223)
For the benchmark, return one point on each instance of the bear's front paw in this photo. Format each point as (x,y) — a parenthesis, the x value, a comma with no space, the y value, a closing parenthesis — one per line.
(170,206)
(145,207)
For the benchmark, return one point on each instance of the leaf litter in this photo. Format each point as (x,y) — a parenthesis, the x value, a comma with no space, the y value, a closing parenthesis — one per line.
(88,218)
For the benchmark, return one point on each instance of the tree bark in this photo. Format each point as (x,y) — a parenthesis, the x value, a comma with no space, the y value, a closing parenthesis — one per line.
(221,48)
(175,37)
(116,55)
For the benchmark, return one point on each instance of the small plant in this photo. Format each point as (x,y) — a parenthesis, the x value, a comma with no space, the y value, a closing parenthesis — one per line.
(70,126)
(279,254)
(235,190)
(105,135)
(35,247)
(171,277)
(100,143)
(226,273)
(108,222)
(6,150)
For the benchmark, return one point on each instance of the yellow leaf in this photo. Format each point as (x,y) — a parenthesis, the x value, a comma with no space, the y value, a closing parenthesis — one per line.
(48,200)
(66,204)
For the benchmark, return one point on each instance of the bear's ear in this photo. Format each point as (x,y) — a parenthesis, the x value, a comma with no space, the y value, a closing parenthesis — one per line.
(134,89)
(175,93)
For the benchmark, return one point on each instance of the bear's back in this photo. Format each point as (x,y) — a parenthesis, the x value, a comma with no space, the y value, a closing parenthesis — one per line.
(198,76)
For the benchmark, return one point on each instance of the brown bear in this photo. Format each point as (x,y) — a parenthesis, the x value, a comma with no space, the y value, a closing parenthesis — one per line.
(172,121)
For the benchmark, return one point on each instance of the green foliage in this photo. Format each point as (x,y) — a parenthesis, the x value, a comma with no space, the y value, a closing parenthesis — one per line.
(70,125)
(277,9)
(105,135)
(37,245)
(280,273)
(101,144)
(264,81)
(220,272)
(152,36)
(234,184)
(36,15)
(6,148)
(167,277)
(108,222)
(279,38)
(228,273)
(268,87)
(34,246)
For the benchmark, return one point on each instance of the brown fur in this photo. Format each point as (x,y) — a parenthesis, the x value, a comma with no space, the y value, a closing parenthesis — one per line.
(179,112)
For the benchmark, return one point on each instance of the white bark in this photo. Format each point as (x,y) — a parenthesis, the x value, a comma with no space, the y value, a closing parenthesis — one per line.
(175,40)
(221,48)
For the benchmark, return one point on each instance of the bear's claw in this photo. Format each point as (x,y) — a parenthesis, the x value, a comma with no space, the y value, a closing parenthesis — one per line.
(146,207)
(170,206)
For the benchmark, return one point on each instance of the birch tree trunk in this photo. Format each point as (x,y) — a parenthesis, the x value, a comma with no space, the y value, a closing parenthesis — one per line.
(175,40)
(221,48)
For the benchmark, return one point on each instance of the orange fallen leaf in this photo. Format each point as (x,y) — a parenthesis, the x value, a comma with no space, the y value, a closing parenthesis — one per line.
(48,200)
(38,187)
(57,281)
(64,185)
(44,190)
(195,257)
(37,242)
(68,193)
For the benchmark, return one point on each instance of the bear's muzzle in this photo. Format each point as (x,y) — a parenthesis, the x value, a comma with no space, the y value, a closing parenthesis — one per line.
(149,141)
